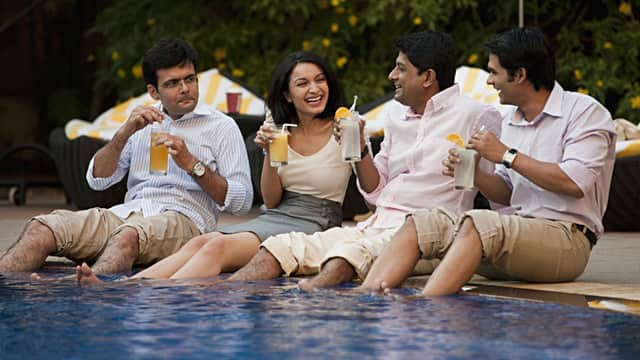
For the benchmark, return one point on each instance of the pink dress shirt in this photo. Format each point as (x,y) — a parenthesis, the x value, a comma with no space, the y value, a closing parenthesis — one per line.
(577,133)
(411,155)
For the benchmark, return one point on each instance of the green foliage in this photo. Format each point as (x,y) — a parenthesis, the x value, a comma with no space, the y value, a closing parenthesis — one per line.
(595,42)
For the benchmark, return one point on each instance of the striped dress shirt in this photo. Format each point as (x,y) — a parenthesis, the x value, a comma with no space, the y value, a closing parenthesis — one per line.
(212,138)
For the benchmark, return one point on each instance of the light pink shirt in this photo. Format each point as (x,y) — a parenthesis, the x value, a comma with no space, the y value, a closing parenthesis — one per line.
(577,133)
(411,155)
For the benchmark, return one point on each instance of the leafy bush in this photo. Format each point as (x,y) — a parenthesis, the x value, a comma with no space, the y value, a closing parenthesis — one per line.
(596,42)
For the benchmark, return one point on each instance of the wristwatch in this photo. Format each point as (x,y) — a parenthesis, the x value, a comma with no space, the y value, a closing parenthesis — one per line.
(508,157)
(198,169)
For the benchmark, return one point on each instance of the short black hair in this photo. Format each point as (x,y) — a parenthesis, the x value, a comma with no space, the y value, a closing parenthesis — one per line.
(525,48)
(164,54)
(431,50)
(282,110)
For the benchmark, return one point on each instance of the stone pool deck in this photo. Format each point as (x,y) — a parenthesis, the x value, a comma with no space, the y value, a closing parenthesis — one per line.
(611,279)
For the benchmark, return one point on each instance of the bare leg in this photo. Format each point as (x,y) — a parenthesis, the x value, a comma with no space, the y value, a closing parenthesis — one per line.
(168,266)
(222,254)
(334,272)
(397,260)
(85,275)
(120,253)
(459,264)
(262,266)
(31,249)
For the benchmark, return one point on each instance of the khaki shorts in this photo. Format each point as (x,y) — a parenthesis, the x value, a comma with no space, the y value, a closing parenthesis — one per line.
(83,235)
(303,254)
(513,247)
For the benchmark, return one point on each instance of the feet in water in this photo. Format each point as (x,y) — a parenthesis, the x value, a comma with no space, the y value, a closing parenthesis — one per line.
(35,277)
(85,275)
(307,285)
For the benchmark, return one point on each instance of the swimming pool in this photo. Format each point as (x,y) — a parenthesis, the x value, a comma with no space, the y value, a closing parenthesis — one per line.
(273,320)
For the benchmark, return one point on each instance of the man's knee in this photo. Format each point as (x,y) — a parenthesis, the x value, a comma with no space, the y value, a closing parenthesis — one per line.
(35,231)
(125,240)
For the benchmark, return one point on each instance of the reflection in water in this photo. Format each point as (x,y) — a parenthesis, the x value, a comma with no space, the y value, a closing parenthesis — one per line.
(168,319)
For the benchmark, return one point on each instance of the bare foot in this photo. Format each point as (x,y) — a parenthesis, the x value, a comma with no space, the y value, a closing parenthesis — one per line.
(85,275)
(307,285)
(35,277)
(376,288)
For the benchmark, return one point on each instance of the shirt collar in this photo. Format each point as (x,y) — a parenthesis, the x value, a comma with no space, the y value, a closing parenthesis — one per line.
(437,102)
(199,110)
(552,108)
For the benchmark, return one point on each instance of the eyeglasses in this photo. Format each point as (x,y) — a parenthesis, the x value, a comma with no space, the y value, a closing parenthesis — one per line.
(174,83)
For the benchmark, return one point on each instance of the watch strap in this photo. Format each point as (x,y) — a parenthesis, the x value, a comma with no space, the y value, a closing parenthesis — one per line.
(508,157)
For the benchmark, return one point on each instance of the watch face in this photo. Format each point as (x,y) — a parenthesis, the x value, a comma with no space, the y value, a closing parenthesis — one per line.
(198,169)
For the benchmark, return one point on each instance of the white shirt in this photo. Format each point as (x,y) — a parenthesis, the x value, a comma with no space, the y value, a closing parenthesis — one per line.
(212,138)
(577,133)
(410,159)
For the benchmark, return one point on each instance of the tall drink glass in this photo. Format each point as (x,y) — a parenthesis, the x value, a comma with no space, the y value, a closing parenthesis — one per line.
(279,147)
(464,172)
(158,153)
(350,138)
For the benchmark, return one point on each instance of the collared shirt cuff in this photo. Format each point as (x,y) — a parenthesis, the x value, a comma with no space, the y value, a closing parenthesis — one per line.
(372,197)
(238,199)
(96,183)
(580,174)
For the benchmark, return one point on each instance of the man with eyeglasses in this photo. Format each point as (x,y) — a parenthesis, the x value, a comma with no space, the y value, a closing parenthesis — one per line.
(207,173)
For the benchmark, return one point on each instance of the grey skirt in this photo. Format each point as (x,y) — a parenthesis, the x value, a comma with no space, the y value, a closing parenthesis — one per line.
(296,213)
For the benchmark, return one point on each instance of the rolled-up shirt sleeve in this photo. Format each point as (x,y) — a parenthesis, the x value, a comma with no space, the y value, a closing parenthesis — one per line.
(100,184)
(585,157)
(233,166)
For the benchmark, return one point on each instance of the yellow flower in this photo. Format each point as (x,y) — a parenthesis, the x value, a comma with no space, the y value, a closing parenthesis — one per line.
(599,83)
(578,74)
(151,21)
(136,71)
(335,27)
(91,58)
(339,10)
(625,8)
(472,58)
(582,90)
(219,53)
(306,45)
(417,20)
(335,3)
(635,102)
(237,72)
(340,63)
(353,20)
(115,56)
(122,74)
(326,42)
(607,45)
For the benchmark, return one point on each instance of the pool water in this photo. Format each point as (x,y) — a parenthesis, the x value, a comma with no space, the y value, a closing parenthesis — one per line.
(274,320)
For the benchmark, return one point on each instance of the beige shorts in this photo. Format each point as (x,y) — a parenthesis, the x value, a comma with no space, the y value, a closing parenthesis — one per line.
(514,247)
(303,254)
(83,235)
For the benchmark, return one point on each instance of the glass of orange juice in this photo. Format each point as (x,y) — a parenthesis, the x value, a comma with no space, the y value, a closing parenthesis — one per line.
(158,153)
(279,146)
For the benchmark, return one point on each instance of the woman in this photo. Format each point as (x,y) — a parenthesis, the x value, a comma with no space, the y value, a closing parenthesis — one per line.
(306,195)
